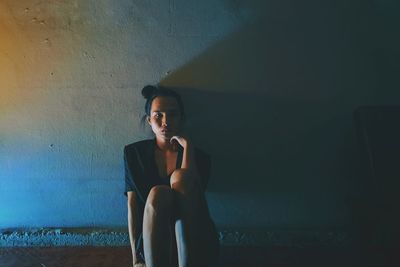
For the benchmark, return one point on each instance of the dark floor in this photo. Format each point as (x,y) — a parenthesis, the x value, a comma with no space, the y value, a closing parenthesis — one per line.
(230,256)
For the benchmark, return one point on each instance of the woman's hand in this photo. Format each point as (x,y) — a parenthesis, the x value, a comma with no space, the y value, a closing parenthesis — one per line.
(188,159)
(181,140)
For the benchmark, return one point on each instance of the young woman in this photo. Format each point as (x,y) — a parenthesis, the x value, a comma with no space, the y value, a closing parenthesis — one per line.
(165,179)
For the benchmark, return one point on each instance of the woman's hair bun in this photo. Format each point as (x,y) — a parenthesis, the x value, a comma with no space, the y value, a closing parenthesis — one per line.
(148,91)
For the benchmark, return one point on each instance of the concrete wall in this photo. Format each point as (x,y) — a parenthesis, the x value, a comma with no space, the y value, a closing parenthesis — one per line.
(270,87)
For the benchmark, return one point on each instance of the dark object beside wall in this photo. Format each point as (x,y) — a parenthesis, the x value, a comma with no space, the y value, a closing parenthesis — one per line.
(378,212)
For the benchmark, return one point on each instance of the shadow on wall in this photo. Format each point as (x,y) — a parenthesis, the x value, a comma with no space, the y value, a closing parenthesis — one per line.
(273,102)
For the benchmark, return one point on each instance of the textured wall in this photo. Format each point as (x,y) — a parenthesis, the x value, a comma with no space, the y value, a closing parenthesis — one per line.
(270,87)
(71,74)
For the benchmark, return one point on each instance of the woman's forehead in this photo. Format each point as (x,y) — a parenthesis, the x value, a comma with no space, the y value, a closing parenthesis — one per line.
(164,103)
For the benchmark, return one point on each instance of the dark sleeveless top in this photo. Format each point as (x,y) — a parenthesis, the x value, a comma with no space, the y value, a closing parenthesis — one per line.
(141,174)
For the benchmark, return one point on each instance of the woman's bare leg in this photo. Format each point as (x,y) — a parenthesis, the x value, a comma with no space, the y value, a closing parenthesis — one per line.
(195,233)
(157,227)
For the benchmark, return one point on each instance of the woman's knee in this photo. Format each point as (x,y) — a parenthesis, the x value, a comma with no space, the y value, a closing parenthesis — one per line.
(184,180)
(159,199)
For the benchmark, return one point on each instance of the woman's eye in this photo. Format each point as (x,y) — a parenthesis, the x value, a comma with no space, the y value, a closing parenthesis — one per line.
(157,115)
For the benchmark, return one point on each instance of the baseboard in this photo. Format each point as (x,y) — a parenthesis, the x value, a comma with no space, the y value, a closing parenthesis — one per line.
(119,237)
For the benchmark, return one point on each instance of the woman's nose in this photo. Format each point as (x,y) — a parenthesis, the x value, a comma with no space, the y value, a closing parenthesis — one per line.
(165,121)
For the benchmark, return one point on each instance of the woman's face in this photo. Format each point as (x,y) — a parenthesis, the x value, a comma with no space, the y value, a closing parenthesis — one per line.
(165,117)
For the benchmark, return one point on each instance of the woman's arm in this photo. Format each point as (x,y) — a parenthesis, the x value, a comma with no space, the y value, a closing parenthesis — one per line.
(132,222)
(188,157)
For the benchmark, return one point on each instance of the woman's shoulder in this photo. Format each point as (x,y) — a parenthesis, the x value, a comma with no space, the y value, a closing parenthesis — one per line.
(140,146)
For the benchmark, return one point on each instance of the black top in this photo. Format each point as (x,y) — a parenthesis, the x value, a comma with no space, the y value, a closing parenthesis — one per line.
(141,174)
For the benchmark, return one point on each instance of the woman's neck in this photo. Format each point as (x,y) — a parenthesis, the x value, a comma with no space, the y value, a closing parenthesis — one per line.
(164,145)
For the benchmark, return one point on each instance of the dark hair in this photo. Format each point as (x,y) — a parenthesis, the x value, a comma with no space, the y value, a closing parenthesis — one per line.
(149,92)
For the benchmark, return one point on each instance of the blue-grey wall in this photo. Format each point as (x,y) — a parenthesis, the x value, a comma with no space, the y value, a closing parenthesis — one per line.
(270,88)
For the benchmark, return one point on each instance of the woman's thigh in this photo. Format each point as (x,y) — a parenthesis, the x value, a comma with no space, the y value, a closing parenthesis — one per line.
(205,239)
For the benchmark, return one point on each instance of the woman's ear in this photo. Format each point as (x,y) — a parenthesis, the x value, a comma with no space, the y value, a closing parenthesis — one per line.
(148,120)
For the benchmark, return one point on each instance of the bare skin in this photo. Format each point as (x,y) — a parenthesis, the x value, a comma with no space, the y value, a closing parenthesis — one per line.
(179,211)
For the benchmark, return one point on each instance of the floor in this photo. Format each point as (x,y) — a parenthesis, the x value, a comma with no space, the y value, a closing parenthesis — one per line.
(230,256)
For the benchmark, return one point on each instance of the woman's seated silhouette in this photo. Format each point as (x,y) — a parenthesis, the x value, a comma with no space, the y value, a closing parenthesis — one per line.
(165,179)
